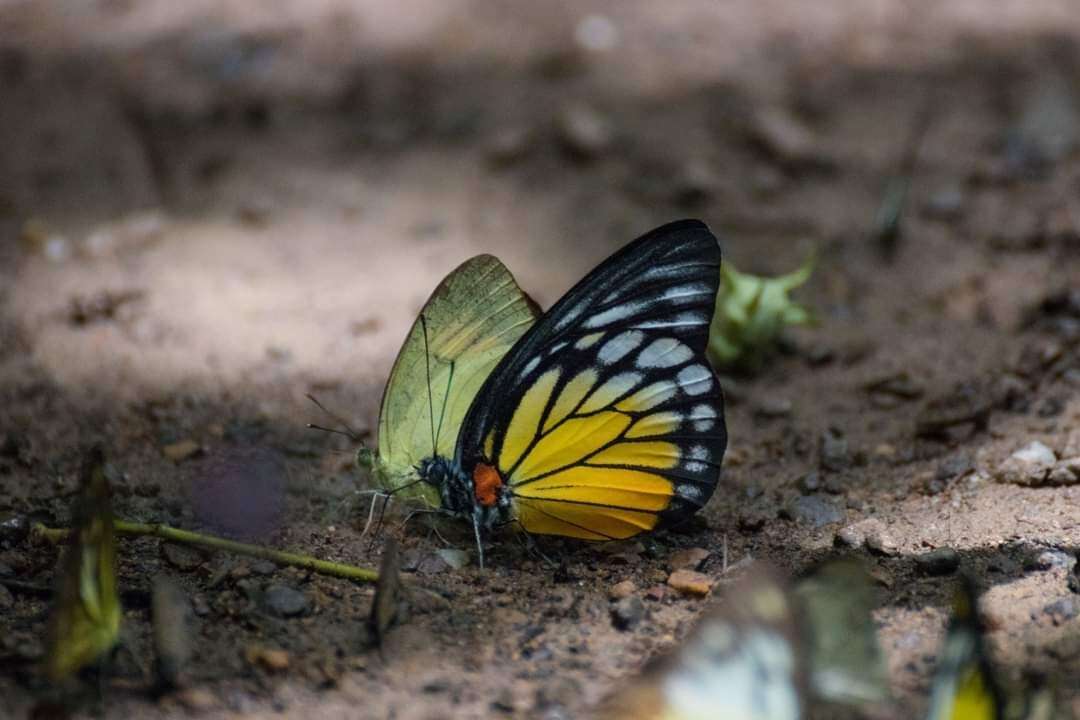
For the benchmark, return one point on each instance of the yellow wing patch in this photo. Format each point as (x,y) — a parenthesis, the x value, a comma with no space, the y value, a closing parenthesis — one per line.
(593,468)
(526,421)
(567,444)
(570,397)
(547,517)
(661,455)
(615,488)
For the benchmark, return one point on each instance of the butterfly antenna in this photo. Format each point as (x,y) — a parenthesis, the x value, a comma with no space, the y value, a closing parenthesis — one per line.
(348,432)
(431,397)
(446,398)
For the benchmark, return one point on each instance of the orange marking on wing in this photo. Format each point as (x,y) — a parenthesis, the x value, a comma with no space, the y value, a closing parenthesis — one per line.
(487,482)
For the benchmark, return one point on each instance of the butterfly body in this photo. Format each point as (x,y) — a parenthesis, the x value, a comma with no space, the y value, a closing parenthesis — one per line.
(604,418)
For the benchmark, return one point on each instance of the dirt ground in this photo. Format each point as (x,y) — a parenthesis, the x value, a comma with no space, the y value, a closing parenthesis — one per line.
(208,210)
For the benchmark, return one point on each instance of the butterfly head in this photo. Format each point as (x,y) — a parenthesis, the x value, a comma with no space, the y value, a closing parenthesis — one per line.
(480,494)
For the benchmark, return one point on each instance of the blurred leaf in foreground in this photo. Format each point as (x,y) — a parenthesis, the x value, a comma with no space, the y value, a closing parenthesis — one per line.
(751,312)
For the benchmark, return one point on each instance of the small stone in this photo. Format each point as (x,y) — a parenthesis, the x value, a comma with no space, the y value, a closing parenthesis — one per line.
(196,699)
(879,540)
(622,590)
(509,145)
(810,482)
(272,659)
(180,451)
(656,593)
(1066,472)
(285,601)
(454,557)
(783,137)
(430,564)
(1050,559)
(834,450)
(942,561)
(264,567)
(695,181)
(181,557)
(585,133)
(773,407)
(955,466)
(690,582)
(813,510)
(14,529)
(1030,465)
(1062,610)
(692,558)
(853,536)
(945,204)
(6,599)
(627,613)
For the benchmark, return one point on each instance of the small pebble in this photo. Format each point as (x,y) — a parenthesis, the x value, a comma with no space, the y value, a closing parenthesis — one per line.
(270,658)
(942,561)
(180,451)
(1030,465)
(945,204)
(196,699)
(834,450)
(773,407)
(285,601)
(880,541)
(1062,610)
(1049,559)
(813,510)
(691,558)
(584,132)
(690,582)
(656,593)
(181,557)
(1066,472)
(14,529)
(454,557)
(264,567)
(627,613)
(622,590)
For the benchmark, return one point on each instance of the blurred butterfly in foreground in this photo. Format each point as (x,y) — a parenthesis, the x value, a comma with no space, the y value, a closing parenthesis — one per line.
(598,420)
(965,687)
(85,623)
(769,652)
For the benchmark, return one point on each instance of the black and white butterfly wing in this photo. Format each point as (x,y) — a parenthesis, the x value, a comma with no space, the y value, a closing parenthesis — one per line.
(605,417)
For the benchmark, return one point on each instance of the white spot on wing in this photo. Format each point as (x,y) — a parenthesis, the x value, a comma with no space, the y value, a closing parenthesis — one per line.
(688,492)
(588,341)
(617,347)
(699,452)
(704,417)
(695,379)
(695,466)
(664,353)
(684,291)
(686,319)
(614,314)
(530,366)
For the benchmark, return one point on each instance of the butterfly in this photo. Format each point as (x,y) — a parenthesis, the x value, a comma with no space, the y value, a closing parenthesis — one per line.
(602,419)
(965,686)
(85,622)
(770,651)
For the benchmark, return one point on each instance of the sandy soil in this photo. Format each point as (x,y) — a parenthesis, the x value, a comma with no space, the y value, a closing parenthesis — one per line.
(208,210)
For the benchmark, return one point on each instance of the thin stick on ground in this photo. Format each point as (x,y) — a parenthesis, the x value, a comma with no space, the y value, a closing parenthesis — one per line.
(188,537)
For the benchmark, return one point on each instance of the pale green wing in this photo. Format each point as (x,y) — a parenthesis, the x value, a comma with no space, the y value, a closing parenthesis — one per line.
(472,319)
